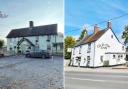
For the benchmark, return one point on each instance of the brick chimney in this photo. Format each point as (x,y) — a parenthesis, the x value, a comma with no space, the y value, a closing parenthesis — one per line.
(96,29)
(109,25)
(31,24)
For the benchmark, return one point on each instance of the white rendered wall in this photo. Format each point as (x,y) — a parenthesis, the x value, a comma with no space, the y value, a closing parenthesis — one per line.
(115,46)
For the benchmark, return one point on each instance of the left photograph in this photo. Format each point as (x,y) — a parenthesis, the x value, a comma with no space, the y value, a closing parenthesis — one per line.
(31,44)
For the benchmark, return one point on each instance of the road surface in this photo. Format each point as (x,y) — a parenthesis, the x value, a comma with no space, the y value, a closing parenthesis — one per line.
(95,80)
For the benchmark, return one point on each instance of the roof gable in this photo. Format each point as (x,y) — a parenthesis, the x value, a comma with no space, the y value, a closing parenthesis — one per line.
(91,38)
(116,37)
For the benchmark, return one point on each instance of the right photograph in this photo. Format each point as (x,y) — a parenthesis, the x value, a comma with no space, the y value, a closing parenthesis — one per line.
(96,44)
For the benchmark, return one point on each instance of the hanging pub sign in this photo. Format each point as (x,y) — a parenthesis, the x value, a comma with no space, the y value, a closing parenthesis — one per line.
(69,50)
(103,46)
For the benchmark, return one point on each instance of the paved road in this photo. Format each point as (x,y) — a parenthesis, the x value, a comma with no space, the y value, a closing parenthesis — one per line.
(18,72)
(95,80)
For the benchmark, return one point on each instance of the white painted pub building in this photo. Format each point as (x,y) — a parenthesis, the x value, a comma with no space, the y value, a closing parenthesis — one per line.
(93,50)
(45,37)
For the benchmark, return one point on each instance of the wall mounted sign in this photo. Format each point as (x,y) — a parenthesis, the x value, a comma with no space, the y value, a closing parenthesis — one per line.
(69,50)
(103,46)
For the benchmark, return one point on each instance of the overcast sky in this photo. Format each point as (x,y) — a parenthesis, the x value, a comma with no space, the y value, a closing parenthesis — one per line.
(88,12)
(20,12)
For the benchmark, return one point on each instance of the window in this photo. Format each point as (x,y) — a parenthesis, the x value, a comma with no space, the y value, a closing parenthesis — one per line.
(48,38)
(88,60)
(101,58)
(74,51)
(122,47)
(48,47)
(111,36)
(121,56)
(80,50)
(37,38)
(10,48)
(114,56)
(89,48)
(14,47)
(84,60)
(29,47)
(118,56)
(10,40)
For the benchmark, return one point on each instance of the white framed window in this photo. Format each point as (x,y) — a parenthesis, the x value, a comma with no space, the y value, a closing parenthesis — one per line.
(123,47)
(84,60)
(10,39)
(48,47)
(74,51)
(48,38)
(37,38)
(101,58)
(89,48)
(80,49)
(121,56)
(111,36)
(114,56)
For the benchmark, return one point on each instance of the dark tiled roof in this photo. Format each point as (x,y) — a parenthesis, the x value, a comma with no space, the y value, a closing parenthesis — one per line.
(34,31)
(91,38)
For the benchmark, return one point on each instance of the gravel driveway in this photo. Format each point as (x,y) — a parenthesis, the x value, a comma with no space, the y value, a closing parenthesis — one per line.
(18,72)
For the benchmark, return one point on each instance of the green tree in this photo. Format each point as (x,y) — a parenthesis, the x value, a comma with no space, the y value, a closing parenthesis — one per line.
(83,33)
(69,42)
(125,34)
(1,43)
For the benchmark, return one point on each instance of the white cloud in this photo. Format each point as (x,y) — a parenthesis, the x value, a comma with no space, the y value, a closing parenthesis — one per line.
(76,36)
(88,27)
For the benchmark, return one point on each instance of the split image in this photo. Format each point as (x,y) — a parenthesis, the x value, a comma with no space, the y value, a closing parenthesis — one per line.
(63,44)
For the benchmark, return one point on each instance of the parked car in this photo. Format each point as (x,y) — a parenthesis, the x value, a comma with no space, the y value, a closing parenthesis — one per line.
(1,54)
(38,54)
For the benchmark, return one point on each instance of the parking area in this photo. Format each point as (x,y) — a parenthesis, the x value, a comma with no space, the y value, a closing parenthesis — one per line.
(18,72)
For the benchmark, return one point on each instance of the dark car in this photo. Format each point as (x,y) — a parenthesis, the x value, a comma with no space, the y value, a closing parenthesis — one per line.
(38,54)
(1,55)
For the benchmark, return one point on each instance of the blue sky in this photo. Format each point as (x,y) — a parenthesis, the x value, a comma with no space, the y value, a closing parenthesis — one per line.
(20,12)
(88,12)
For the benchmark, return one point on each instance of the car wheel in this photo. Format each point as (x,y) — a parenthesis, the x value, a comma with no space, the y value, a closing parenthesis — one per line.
(43,56)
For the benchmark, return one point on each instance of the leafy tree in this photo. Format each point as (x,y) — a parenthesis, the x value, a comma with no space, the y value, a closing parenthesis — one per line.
(1,43)
(84,32)
(69,42)
(125,34)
